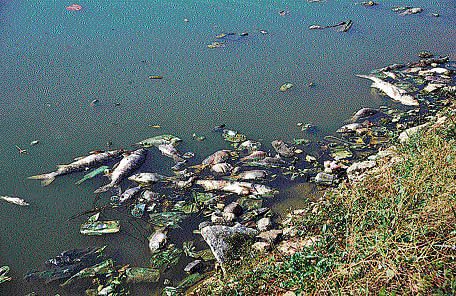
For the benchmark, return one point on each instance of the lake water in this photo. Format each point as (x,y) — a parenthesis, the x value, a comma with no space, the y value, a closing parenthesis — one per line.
(54,62)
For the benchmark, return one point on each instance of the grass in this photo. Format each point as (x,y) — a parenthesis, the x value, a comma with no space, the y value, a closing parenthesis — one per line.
(392,234)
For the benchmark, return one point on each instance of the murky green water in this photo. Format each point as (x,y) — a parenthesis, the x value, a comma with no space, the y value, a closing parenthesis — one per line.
(54,62)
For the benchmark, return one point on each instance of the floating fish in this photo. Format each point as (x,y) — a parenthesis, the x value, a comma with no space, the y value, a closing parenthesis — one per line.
(282,148)
(78,165)
(147,178)
(3,274)
(126,166)
(89,272)
(15,200)
(394,92)
(159,140)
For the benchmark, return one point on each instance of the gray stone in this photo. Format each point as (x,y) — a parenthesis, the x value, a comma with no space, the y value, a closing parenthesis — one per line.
(217,236)
(271,236)
(204,224)
(229,217)
(264,224)
(356,171)
(404,137)
(262,247)
(217,219)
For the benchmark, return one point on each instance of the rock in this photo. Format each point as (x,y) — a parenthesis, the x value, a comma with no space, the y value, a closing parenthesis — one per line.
(404,137)
(234,208)
(193,266)
(229,217)
(204,224)
(271,236)
(217,236)
(264,224)
(292,246)
(262,247)
(290,231)
(356,171)
(216,218)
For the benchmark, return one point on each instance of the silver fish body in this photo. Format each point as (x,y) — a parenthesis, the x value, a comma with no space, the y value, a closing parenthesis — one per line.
(78,165)
(126,167)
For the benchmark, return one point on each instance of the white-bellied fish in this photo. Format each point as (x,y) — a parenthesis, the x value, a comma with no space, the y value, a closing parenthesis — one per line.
(147,178)
(15,200)
(159,140)
(125,168)
(392,91)
(78,165)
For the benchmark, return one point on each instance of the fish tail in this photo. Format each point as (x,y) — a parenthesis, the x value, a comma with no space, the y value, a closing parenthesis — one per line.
(103,188)
(46,179)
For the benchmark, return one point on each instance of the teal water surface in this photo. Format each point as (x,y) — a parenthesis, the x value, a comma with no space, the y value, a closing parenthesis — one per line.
(54,62)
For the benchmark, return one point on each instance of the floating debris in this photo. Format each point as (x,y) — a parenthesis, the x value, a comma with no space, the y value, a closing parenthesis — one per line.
(4,274)
(286,86)
(216,44)
(93,173)
(100,227)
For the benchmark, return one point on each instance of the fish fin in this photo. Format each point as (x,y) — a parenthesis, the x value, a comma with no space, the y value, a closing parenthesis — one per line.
(79,182)
(46,179)
(38,177)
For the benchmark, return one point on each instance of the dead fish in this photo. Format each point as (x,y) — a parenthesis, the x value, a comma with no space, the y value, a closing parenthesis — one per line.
(282,148)
(233,187)
(171,151)
(157,240)
(250,175)
(15,200)
(267,162)
(350,128)
(222,168)
(363,113)
(78,165)
(126,166)
(129,193)
(146,178)
(217,157)
(392,91)
(255,155)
